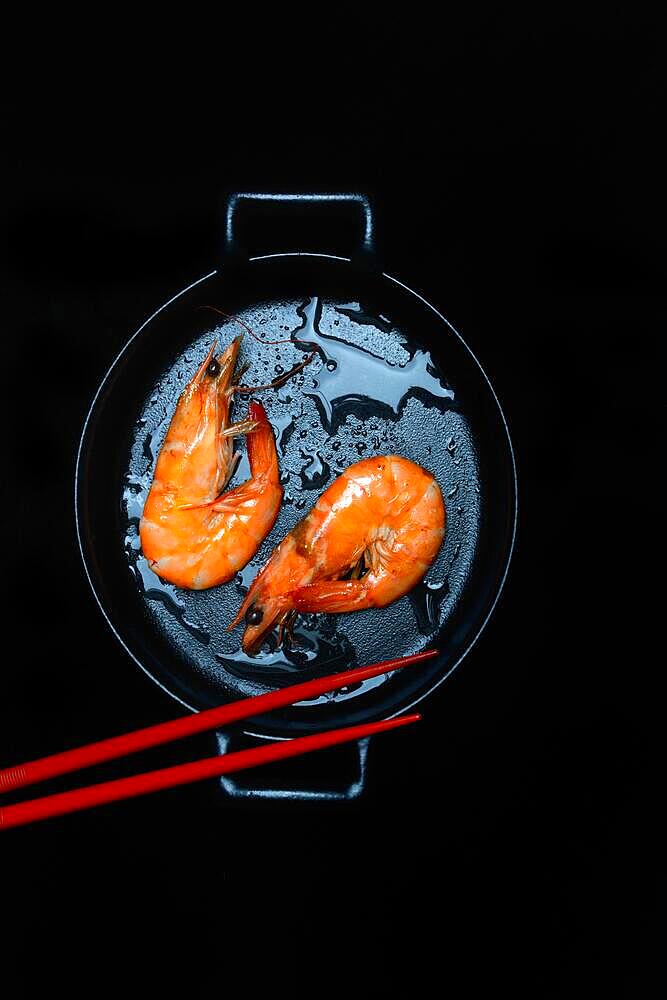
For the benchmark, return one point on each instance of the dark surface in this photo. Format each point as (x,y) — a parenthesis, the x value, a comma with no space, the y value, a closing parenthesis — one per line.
(511,836)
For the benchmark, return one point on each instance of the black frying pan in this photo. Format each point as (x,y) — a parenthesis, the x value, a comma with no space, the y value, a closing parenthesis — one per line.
(390,375)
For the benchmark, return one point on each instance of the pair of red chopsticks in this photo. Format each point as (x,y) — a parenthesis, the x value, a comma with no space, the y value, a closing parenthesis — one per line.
(182,774)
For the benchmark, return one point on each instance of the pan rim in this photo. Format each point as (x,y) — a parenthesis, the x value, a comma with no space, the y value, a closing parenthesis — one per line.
(90,414)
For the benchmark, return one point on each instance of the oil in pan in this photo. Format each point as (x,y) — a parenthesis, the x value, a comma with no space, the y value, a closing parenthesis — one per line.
(368,391)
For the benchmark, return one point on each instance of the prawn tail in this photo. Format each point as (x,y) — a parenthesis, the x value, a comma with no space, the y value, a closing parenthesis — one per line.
(262,453)
(332,596)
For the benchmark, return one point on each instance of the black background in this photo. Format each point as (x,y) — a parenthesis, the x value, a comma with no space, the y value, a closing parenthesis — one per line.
(518,172)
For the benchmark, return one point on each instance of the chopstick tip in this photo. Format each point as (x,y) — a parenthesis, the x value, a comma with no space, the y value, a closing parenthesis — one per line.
(404,720)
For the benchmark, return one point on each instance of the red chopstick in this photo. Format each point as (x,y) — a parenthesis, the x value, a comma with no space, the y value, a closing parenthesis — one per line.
(164,732)
(169,777)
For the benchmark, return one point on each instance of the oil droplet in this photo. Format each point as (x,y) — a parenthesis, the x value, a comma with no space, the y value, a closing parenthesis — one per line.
(134,496)
(426,600)
(316,472)
(284,425)
(245,576)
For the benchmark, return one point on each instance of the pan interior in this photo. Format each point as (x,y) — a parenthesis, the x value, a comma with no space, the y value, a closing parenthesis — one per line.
(371,389)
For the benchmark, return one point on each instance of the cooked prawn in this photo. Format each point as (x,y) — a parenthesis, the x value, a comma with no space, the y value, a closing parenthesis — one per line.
(368,540)
(192,533)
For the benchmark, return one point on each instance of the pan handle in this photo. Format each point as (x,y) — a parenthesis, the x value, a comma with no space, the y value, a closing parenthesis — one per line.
(310,215)
(353,758)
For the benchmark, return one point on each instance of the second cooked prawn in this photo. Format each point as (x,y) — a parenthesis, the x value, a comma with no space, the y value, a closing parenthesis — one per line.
(193,534)
(368,540)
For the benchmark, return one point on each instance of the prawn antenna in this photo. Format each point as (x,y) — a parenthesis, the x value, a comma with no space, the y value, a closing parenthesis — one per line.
(278,382)
(235,319)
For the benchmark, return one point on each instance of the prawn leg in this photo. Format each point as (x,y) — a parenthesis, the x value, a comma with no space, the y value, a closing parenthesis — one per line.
(263,463)
(245,493)
(242,427)
(333,596)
